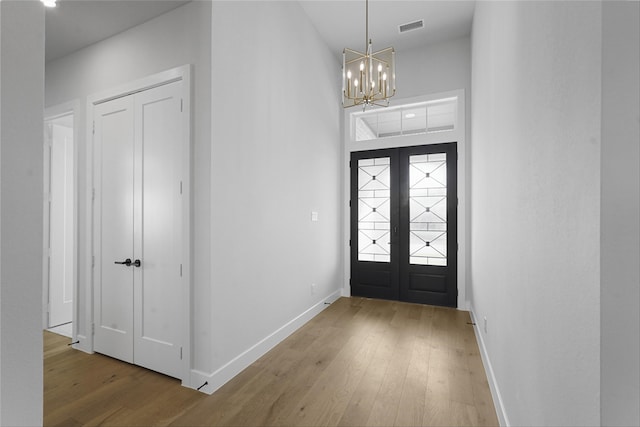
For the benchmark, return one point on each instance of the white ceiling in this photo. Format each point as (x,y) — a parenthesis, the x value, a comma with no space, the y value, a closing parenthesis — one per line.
(74,24)
(342,23)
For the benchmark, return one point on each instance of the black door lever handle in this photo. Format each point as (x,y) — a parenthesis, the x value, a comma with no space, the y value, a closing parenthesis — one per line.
(126,262)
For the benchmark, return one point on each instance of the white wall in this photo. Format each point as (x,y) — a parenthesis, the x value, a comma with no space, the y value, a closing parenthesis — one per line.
(275,158)
(179,37)
(434,68)
(535,165)
(21,130)
(1,384)
(620,220)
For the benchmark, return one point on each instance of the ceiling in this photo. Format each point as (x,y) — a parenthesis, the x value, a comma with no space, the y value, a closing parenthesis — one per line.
(342,23)
(74,24)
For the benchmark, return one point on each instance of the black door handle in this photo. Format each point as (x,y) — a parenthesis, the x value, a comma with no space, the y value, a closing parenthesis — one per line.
(137,263)
(126,262)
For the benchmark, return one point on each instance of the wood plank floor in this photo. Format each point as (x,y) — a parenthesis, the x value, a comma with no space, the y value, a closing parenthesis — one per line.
(361,362)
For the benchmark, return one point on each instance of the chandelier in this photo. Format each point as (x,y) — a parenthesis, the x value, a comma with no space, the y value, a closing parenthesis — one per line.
(368,78)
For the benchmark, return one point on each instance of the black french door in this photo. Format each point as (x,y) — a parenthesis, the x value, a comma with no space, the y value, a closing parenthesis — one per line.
(404,224)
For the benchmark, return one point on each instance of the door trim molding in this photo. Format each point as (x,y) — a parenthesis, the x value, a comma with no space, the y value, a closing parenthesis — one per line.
(459,136)
(184,74)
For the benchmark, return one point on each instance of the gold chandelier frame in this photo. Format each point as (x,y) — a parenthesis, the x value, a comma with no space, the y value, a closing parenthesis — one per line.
(368,78)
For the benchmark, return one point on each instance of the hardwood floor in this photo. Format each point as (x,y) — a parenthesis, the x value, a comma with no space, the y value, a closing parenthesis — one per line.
(360,362)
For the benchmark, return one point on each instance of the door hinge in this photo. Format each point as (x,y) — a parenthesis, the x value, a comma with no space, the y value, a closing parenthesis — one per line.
(93,261)
(93,194)
(349,203)
(180,353)
(349,242)
(180,270)
(349,163)
(349,281)
(93,129)
(181,104)
(180,187)
(93,329)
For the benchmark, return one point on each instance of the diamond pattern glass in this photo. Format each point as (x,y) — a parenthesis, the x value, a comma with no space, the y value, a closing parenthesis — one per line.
(428,209)
(374,210)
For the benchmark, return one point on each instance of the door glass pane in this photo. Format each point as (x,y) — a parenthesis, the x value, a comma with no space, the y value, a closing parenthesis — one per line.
(374,213)
(441,116)
(428,209)
(414,120)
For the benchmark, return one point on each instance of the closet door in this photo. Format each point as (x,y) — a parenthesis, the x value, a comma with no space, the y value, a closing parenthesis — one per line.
(138,228)
(114,228)
(157,238)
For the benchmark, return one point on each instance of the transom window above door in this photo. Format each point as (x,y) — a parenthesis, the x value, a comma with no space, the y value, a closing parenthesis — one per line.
(410,119)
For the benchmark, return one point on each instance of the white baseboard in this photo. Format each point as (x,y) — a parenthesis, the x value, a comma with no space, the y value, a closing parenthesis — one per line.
(493,384)
(221,376)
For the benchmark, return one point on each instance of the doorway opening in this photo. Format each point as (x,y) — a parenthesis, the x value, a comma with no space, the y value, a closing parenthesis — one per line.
(410,123)
(59,219)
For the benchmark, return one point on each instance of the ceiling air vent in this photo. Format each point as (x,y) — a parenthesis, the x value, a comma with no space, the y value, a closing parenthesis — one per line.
(415,25)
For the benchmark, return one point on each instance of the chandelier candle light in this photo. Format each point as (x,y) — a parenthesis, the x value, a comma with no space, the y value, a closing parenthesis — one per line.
(368,78)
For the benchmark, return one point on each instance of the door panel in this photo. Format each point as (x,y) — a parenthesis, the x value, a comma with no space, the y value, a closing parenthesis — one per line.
(114,140)
(374,224)
(428,224)
(61,221)
(403,224)
(157,282)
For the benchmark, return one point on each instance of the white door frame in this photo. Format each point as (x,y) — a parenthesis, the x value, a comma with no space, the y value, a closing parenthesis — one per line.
(61,110)
(183,74)
(458,134)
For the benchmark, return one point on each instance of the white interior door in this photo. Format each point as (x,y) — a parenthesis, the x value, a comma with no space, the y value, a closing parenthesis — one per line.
(59,189)
(114,228)
(158,296)
(138,205)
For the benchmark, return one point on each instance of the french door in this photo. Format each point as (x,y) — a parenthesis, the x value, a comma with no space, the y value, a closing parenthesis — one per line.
(137,228)
(404,224)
